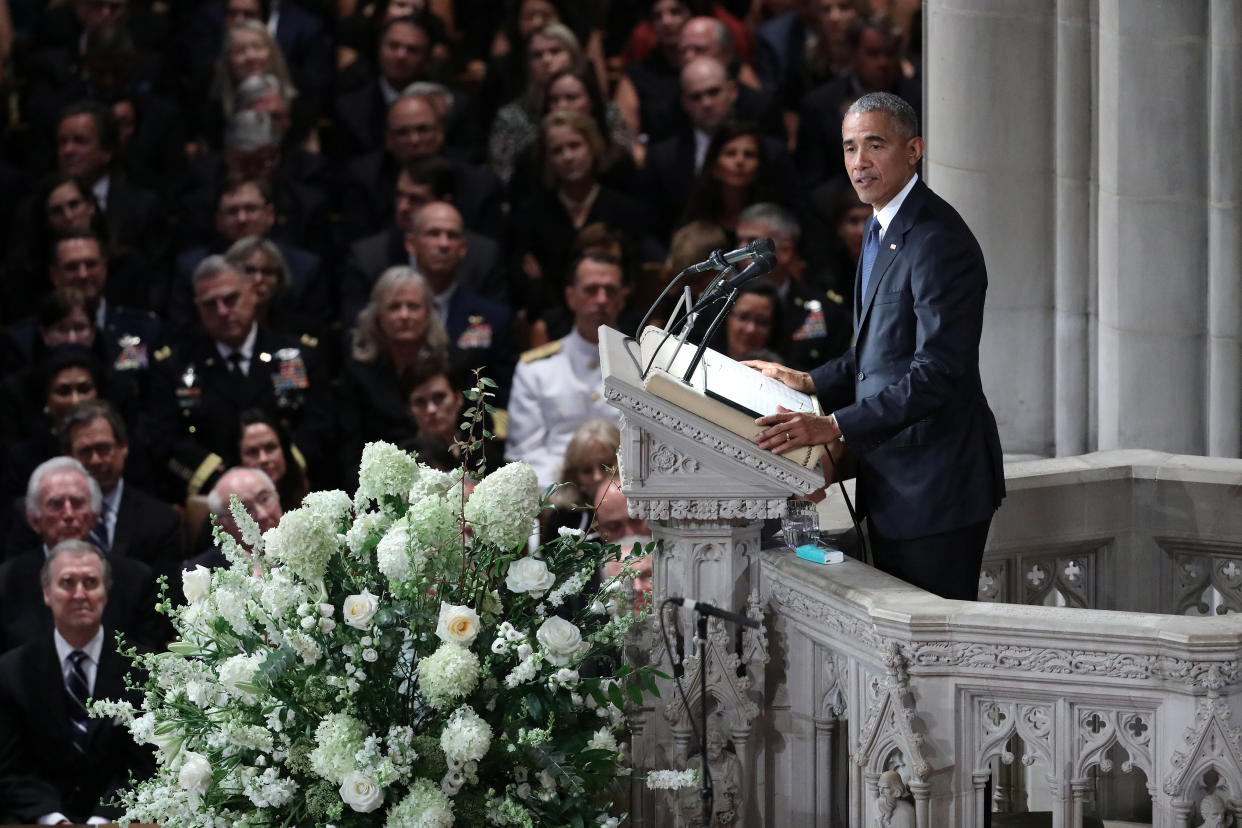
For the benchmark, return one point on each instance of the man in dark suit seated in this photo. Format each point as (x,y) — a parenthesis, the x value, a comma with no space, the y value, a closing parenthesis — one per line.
(208,377)
(58,765)
(907,399)
(415,129)
(257,494)
(63,502)
(418,184)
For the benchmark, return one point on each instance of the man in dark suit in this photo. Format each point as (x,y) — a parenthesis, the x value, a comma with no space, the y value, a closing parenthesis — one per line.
(907,399)
(418,184)
(63,502)
(57,764)
(132,523)
(202,384)
(257,494)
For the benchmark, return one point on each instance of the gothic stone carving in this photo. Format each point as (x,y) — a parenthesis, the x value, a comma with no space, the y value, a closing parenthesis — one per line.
(704,508)
(1211,743)
(998,721)
(890,721)
(1098,730)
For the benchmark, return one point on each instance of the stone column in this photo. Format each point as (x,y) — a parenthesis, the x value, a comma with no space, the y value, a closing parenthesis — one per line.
(1075,275)
(989,105)
(1153,231)
(1224,265)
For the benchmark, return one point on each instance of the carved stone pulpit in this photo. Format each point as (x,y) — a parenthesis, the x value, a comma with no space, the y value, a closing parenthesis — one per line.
(705,491)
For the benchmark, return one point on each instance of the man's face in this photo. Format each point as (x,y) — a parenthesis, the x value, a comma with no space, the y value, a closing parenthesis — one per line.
(834,17)
(403,55)
(875,61)
(435,406)
(226,305)
(277,109)
(244,212)
(707,94)
(69,209)
(698,38)
(95,446)
(748,231)
(256,495)
(439,243)
(76,593)
(94,14)
(596,296)
(414,131)
(79,263)
(78,149)
(409,199)
(256,164)
(64,508)
(879,159)
(235,11)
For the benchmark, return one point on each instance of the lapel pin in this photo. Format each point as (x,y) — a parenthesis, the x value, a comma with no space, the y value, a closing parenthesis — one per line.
(893,246)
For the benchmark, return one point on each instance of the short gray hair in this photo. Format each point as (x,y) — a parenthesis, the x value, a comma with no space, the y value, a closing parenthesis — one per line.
(779,219)
(58,464)
(369,338)
(218,499)
(247,246)
(214,265)
(430,91)
(250,130)
(76,547)
(903,115)
(257,87)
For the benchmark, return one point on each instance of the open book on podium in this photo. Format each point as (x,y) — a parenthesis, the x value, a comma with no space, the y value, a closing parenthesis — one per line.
(721,390)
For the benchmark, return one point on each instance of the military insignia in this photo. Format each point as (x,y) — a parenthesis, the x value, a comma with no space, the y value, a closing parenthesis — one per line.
(477,335)
(813,327)
(310,341)
(189,394)
(265,357)
(133,355)
(292,373)
(542,352)
(835,298)
(163,354)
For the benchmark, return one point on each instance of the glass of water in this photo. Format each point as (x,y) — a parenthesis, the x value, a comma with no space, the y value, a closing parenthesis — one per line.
(800,525)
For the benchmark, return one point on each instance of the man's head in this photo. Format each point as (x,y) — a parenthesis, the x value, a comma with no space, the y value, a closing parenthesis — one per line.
(704,37)
(108,60)
(415,128)
(76,578)
(831,18)
(265,93)
(874,42)
(95,14)
(85,140)
(880,137)
(226,301)
(235,11)
(93,433)
(404,49)
(595,294)
(78,261)
(244,209)
(768,220)
(707,93)
(252,146)
(256,492)
(419,183)
(62,501)
(438,242)
(614,524)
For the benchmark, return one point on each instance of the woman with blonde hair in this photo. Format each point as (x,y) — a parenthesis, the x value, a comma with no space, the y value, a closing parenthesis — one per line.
(590,462)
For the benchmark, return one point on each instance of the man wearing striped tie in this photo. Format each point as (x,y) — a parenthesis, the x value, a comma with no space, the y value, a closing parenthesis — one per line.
(58,765)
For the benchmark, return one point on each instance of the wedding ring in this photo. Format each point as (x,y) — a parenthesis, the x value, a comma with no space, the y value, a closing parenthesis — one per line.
(788,436)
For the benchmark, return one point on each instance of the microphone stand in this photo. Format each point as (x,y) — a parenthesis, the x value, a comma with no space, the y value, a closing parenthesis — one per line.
(711,331)
(706,794)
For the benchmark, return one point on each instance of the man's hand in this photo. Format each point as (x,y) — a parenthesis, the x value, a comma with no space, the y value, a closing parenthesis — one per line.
(797,380)
(787,430)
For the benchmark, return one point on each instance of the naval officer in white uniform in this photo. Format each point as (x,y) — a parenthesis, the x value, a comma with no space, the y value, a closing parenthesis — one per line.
(559,386)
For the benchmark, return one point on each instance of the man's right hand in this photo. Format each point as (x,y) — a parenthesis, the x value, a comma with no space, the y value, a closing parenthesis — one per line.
(797,380)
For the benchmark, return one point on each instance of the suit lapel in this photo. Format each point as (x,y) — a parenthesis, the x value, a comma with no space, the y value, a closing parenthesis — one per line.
(121,528)
(50,686)
(891,247)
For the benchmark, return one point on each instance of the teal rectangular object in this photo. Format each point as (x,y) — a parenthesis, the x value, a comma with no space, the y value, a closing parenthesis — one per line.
(815,554)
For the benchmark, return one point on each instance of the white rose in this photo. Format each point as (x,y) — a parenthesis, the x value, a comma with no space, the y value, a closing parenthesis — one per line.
(361,792)
(195,774)
(529,575)
(560,638)
(358,610)
(524,651)
(457,625)
(566,676)
(196,583)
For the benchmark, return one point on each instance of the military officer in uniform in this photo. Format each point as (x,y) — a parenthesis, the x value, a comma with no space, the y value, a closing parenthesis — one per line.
(202,384)
(559,386)
(817,325)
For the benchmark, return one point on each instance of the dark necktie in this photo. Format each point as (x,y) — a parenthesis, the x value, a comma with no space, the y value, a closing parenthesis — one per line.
(99,535)
(871,248)
(235,363)
(78,692)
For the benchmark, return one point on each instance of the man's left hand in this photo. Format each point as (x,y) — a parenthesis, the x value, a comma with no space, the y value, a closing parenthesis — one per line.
(787,430)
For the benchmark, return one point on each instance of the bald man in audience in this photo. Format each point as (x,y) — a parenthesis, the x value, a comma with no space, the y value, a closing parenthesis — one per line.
(614,525)
(258,496)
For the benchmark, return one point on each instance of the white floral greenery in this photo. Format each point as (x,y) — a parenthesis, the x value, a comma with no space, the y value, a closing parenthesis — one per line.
(390,659)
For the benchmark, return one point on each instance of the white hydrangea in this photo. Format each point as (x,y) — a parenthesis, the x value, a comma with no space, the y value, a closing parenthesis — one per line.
(337,739)
(433,524)
(268,789)
(305,646)
(431,483)
(425,806)
(364,525)
(304,541)
(330,506)
(504,505)
(279,593)
(384,470)
(466,737)
(393,553)
(449,673)
(237,670)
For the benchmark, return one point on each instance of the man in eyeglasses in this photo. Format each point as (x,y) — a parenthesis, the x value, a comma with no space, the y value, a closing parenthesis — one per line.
(258,497)
(226,365)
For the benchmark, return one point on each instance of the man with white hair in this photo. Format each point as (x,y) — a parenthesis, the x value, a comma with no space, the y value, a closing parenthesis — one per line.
(258,497)
(57,765)
(708,37)
(63,502)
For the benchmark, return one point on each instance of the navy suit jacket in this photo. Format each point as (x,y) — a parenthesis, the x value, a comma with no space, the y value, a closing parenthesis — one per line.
(907,396)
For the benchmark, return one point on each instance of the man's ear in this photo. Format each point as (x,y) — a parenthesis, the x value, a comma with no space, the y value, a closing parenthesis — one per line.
(409,243)
(914,150)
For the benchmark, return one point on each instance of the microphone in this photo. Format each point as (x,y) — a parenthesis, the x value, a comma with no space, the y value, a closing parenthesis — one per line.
(708,609)
(718,260)
(763,263)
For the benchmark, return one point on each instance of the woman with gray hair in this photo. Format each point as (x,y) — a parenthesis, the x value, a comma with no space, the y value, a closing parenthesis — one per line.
(293,303)
(397,330)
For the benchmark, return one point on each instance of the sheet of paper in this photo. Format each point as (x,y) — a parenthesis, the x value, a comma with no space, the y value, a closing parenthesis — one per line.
(733,382)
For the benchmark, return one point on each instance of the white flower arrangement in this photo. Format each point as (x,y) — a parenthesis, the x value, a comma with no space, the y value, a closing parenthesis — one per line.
(389,660)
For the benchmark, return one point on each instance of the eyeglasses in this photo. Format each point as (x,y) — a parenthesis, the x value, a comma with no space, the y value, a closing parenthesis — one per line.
(101,450)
